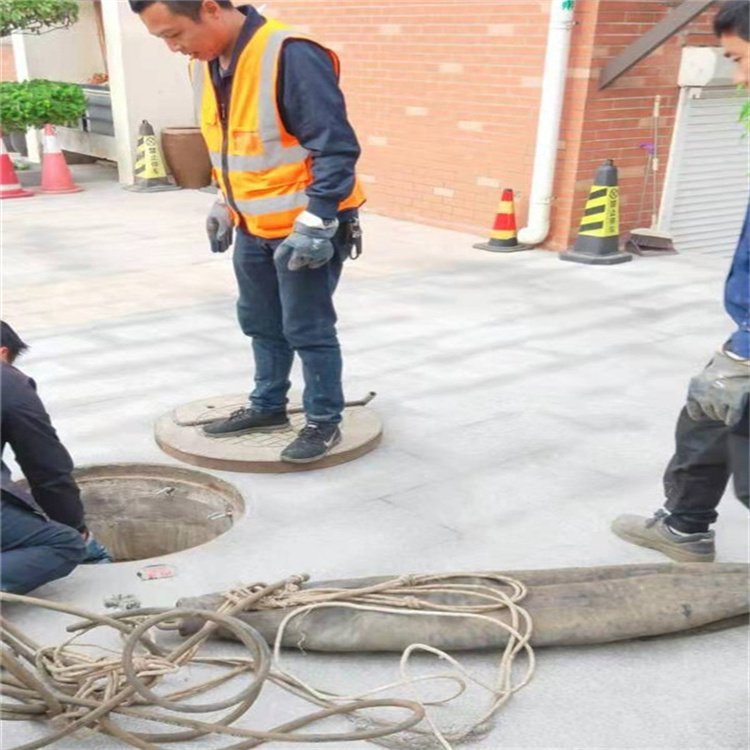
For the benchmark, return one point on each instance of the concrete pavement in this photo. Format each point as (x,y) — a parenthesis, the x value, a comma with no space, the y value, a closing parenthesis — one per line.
(526,403)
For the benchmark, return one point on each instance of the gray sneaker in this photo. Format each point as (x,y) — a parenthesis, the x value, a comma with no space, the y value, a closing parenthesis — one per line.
(654,533)
(246,420)
(313,442)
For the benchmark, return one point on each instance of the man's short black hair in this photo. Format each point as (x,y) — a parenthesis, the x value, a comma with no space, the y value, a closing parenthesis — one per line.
(190,8)
(9,338)
(733,18)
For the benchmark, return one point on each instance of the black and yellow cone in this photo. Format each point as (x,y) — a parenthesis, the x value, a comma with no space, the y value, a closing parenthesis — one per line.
(598,241)
(150,172)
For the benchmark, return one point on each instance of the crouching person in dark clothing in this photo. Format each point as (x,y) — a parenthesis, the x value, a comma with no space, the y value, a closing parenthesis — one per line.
(43,534)
(35,549)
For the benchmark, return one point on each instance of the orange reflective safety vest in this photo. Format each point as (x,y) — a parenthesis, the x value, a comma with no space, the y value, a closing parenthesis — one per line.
(262,170)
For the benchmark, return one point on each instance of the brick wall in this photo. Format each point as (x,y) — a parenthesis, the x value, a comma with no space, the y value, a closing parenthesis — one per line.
(619,119)
(444,95)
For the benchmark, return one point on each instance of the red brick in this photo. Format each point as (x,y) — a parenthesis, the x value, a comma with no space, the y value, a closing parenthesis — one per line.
(386,76)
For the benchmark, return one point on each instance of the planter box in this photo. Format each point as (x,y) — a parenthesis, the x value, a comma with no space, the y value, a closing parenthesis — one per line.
(92,136)
(98,117)
(95,134)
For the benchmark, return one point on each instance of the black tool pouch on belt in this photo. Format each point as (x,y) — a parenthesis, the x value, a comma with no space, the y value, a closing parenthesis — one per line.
(353,238)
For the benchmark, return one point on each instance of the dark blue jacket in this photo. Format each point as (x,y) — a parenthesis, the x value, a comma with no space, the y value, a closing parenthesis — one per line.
(45,463)
(313,110)
(737,293)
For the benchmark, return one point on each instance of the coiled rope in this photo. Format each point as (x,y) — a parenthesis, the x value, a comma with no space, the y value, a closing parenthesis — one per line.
(82,688)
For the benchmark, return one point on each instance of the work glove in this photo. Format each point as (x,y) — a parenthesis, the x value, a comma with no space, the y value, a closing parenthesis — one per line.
(721,391)
(309,245)
(96,553)
(219,228)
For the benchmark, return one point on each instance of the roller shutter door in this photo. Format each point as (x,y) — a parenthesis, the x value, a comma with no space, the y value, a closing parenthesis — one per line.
(708,175)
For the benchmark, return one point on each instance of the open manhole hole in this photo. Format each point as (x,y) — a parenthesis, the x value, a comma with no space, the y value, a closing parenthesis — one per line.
(139,511)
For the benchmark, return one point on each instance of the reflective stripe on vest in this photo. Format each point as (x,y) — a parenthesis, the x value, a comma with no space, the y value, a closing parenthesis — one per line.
(197,78)
(275,154)
(262,206)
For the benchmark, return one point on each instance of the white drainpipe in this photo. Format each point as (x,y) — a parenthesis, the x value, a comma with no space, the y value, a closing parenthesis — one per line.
(550,113)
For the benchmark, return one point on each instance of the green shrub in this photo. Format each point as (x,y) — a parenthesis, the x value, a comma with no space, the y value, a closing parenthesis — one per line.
(34,104)
(745,113)
(35,15)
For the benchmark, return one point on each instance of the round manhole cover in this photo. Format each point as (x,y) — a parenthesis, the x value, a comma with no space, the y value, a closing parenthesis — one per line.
(180,434)
(139,511)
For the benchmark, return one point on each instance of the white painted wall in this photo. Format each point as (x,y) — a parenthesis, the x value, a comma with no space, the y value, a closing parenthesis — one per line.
(70,55)
(146,80)
(22,73)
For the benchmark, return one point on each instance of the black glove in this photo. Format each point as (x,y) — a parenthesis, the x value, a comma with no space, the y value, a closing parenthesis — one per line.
(219,228)
(309,245)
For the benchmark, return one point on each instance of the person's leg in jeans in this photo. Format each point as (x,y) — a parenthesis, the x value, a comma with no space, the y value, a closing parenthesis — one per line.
(309,325)
(259,315)
(697,474)
(35,550)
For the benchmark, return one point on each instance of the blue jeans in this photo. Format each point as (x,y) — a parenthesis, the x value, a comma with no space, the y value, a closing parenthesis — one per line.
(285,312)
(35,550)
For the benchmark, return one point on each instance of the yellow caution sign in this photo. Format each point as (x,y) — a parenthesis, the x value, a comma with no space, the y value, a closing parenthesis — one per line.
(150,172)
(148,163)
(601,217)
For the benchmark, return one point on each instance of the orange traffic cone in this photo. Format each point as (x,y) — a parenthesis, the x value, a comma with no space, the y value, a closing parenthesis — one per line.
(503,237)
(56,177)
(10,187)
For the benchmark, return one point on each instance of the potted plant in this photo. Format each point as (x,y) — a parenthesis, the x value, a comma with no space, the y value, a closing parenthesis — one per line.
(34,15)
(36,103)
(187,156)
